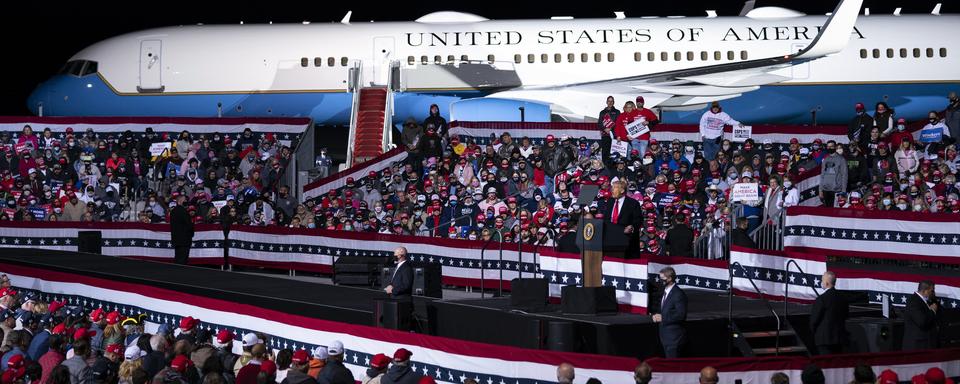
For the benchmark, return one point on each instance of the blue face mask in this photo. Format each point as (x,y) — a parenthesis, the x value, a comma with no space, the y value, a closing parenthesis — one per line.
(453,202)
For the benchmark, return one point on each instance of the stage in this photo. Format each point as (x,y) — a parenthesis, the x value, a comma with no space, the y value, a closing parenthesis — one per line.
(490,320)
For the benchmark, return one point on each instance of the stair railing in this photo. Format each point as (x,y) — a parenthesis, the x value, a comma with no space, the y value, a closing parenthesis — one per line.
(760,294)
(786,286)
(393,85)
(354,85)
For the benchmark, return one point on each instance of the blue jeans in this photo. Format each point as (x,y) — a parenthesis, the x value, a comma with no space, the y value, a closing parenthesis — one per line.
(710,148)
(548,185)
(639,145)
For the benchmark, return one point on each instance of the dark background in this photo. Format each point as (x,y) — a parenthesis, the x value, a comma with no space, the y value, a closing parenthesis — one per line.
(39,37)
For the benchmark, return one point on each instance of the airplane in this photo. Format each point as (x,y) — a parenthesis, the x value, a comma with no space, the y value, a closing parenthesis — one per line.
(768,65)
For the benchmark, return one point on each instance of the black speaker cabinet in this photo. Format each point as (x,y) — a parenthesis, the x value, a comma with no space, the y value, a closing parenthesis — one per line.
(561,336)
(90,242)
(427,280)
(528,294)
(392,314)
(870,335)
(588,300)
(358,270)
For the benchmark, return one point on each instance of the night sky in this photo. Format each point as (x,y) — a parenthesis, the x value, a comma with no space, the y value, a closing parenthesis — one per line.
(39,38)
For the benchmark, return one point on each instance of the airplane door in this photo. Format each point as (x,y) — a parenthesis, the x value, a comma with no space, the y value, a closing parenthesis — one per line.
(383,53)
(150,67)
(800,71)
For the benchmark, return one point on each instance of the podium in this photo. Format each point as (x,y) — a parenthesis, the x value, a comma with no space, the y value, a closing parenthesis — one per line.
(592,297)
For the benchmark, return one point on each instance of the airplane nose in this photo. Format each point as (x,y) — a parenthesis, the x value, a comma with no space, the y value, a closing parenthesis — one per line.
(36,99)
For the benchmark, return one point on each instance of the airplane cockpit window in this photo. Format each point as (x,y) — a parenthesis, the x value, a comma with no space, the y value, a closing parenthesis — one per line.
(89,69)
(73,67)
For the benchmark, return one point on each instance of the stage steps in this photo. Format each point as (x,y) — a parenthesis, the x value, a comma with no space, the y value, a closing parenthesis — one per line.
(758,337)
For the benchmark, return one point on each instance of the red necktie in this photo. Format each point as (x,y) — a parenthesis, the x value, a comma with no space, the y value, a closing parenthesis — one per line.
(616,211)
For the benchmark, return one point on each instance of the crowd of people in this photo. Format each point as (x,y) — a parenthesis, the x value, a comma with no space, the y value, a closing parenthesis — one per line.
(60,343)
(509,188)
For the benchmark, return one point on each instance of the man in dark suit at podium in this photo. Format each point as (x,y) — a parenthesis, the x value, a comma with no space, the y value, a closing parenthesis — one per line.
(401,284)
(621,211)
(673,314)
(828,317)
(920,318)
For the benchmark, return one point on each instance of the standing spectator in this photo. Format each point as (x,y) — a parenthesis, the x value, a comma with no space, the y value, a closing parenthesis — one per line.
(374,374)
(920,318)
(400,372)
(629,116)
(54,355)
(935,132)
(248,374)
(318,360)
(643,374)
(740,236)
(773,200)
(952,116)
(334,372)
(863,374)
(80,372)
(430,145)
(860,124)
(299,364)
(812,374)
(565,373)
(779,378)
(608,115)
(709,375)
(410,137)
(181,230)
(679,241)
(673,314)
(900,133)
(907,158)
(833,178)
(650,120)
(438,122)
(711,129)
(883,119)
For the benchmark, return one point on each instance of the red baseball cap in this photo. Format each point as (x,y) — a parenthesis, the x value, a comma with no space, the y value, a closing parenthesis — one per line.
(15,361)
(181,363)
(114,317)
(379,361)
(301,357)
(188,323)
(83,333)
(402,354)
(640,99)
(550,138)
(116,349)
(888,377)
(224,336)
(935,375)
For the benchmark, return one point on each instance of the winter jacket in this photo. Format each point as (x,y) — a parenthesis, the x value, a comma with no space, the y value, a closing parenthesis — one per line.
(833,173)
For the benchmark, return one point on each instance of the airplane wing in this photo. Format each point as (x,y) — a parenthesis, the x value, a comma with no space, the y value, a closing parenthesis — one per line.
(691,88)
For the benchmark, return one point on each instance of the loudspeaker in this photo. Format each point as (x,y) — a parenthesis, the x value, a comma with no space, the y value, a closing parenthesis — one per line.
(869,334)
(561,336)
(529,294)
(358,270)
(89,242)
(588,300)
(426,280)
(392,314)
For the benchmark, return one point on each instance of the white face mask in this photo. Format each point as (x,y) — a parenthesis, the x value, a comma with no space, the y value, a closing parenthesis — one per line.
(886,201)
(902,206)
(917,207)
(472,237)
(787,183)
(378,209)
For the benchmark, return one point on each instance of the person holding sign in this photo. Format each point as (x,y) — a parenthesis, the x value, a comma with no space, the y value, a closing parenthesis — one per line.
(934,131)
(649,121)
(627,122)
(711,129)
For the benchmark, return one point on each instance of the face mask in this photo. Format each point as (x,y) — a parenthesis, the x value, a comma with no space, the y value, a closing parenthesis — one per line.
(787,184)
(378,209)
(90,193)
(917,207)
(886,201)
(347,228)
(932,121)
(726,147)
(503,179)
(902,206)
(472,237)
(537,197)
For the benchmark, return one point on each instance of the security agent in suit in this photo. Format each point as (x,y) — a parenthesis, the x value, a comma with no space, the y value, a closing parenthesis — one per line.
(828,317)
(920,318)
(624,211)
(673,314)
(181,230)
